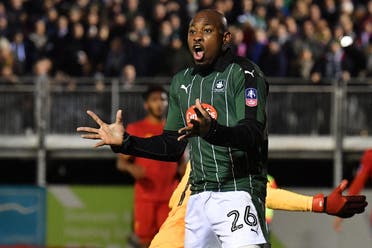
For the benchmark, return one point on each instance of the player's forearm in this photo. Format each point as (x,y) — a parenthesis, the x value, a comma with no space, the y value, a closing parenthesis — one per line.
(358,183)
(292,202)
(163,147)
(245,135)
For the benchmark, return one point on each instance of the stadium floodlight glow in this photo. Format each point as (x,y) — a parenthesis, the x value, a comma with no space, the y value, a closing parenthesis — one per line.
(346,41)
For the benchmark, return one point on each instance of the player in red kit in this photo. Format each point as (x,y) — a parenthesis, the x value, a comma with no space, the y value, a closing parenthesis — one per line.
(155,180)
(357,185)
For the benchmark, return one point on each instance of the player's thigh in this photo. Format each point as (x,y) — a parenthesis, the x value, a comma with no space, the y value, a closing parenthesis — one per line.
(237,219)
(145,220)
(172,232)
(162,211)
(198,231)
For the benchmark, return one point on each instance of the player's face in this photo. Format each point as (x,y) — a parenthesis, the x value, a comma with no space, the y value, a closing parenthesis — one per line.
(205,37)
(156,104)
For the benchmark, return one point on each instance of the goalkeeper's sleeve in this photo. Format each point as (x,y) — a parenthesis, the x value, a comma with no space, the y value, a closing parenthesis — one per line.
(286,200)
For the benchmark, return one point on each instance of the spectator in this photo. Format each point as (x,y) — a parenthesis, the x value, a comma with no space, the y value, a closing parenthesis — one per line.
(97,47)
(258,46)
(93,22)
(365,36)
(324,34)
(175,22)
(300,11)
(131,9)
(333,66)
(128,77)
(273,25)
(75,14)
(6,60)
(2,9)
(158,16)
(4,30)
(239,47)
(354,61)
(247,13)
(309,39)
(278,8)
(39,39)
(21,49)
(347,25)
(146,59)
(330,12)
(273,61)
(76,57)
(115,58)
(165,33)
(59,43)
(47,26)
(119,26)
(51,22)
(43,67)
(205,4)
(192,7)
(176,57)
(260,13)
(16,15)
(138,28)
(226,8)
(305,64)
(315,14)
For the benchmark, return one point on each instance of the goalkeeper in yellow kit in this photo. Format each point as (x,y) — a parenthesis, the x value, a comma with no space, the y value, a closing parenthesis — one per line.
(171,233)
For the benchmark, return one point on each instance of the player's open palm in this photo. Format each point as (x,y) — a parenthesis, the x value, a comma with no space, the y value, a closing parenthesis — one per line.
(109,134)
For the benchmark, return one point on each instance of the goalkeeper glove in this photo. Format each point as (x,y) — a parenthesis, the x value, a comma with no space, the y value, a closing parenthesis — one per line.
(338,204)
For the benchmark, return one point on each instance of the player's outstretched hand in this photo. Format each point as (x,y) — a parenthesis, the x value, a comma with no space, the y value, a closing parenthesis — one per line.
(338,204)
(200,126)
(109,134)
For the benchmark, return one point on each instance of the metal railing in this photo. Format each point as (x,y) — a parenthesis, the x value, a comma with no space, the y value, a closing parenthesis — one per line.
(44,108)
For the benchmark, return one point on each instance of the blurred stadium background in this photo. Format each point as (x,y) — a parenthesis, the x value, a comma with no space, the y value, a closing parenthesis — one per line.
(60,58)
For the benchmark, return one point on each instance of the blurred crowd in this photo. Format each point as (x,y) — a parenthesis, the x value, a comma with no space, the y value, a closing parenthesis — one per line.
(311,39)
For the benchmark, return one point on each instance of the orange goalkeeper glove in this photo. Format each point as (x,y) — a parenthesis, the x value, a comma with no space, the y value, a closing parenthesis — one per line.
(338,204)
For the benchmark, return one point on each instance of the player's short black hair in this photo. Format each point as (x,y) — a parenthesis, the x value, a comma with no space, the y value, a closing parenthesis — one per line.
(152,89)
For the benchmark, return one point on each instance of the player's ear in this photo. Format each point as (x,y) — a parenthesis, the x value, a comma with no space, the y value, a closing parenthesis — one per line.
(226,39)
(146,106)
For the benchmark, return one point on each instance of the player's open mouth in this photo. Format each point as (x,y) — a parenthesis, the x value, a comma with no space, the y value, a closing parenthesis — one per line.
(198,53)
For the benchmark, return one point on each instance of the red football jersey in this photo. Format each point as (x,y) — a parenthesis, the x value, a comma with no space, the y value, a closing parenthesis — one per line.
(161,177)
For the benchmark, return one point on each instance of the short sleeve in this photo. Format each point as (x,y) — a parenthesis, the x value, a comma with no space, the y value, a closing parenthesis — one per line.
(131,129)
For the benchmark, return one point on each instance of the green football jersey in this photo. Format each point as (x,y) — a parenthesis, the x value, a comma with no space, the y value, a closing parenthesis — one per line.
(237,90)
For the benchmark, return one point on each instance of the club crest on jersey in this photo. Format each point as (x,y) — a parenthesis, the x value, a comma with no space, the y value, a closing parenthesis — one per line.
(219,85)
(251,97)
(191,114)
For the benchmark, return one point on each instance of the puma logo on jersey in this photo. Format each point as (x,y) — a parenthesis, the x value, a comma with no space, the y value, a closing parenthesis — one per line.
(186,88)
(249,72)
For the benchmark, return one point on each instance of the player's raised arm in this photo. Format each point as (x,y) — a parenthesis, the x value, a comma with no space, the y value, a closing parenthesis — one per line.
(109,134)
(333,204)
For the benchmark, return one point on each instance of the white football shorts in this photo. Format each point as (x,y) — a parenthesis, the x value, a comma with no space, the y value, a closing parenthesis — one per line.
(223,219)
